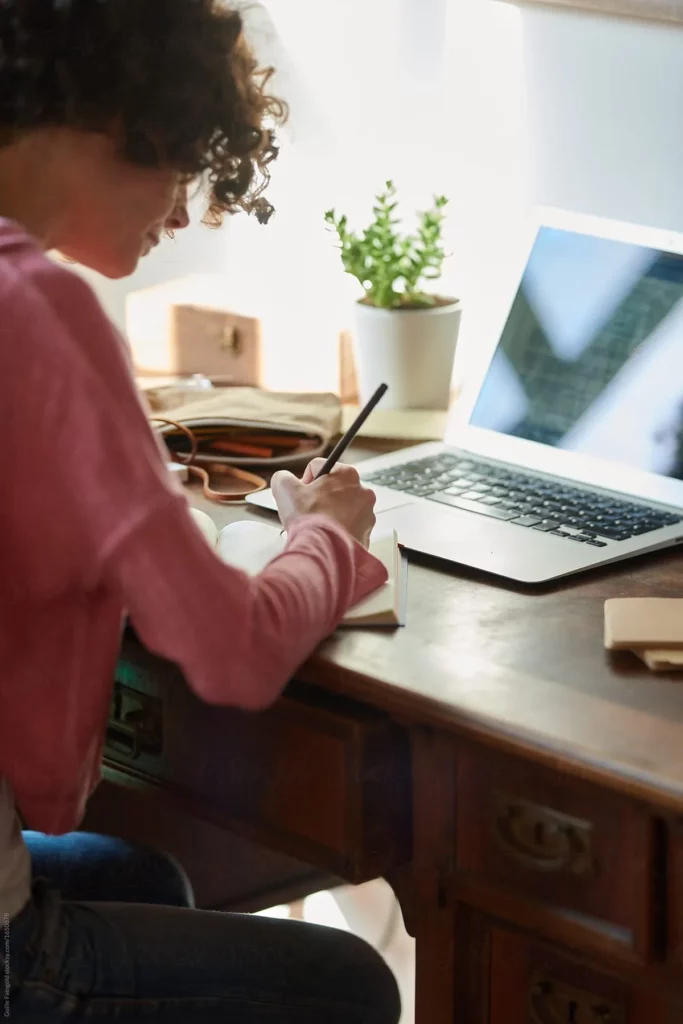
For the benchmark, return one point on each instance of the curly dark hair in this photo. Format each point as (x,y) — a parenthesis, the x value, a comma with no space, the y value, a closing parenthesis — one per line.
(175,77)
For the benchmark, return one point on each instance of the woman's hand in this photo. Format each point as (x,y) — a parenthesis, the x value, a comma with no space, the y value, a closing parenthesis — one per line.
(340,495)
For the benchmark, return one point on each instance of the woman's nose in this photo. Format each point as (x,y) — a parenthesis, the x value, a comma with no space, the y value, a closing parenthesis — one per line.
(179,218)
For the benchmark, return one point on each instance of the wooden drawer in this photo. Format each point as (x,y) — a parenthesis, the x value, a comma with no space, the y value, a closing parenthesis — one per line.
(551,839)
(227,871)
(534,984)
(317,776)
(673,899)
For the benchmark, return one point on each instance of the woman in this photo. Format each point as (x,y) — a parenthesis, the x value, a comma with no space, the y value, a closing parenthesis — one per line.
(107,109)
(84,866)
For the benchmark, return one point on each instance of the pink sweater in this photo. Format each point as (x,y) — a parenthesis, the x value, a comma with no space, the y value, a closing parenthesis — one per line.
(90,526)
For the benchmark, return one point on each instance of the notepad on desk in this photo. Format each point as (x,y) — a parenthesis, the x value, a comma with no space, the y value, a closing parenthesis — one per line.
(399,424)
(250,546)
(650,627)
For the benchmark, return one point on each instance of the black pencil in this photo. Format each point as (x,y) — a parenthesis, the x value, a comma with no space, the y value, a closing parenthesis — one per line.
(339,449)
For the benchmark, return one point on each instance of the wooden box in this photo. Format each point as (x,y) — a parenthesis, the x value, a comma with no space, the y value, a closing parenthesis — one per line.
(198,339)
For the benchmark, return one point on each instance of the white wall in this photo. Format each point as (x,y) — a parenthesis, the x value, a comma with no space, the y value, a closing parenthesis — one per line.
(599,129)
(605,108)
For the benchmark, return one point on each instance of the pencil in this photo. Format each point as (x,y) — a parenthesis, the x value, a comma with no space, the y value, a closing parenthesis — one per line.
(339,449)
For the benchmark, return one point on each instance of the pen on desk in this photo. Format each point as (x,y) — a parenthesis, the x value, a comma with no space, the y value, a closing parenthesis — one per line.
(339,449)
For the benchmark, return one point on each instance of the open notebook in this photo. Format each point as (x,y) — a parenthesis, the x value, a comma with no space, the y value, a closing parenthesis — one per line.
(251,546)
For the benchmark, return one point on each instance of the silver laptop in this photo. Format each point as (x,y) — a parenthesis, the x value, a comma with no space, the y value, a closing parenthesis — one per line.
(565,450)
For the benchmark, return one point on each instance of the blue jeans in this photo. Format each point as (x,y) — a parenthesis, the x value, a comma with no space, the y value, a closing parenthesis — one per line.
(85,866)
(73,959)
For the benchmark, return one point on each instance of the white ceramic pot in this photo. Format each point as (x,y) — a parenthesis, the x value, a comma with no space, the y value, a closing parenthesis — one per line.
(412,350)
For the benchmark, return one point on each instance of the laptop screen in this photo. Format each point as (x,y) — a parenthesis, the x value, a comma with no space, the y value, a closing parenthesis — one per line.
(591,356)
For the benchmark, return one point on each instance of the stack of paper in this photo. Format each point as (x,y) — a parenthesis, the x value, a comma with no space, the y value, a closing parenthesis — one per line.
(651,627)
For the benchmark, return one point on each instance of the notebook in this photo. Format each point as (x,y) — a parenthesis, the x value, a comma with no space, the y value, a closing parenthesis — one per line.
(662,660)
(651,627)
(644,623)
(250,546)
(399,424)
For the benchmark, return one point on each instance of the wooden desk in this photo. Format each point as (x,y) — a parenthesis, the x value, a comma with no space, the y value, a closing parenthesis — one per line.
(522,790)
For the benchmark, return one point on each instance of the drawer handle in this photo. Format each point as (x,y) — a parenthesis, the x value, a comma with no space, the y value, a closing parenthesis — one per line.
(123,739)
(230,340)
(135,725)
(541,839)
(553,1002)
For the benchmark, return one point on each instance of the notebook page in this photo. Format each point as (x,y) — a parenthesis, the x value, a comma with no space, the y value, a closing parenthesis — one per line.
(250,546)
(206,525)
(382,602)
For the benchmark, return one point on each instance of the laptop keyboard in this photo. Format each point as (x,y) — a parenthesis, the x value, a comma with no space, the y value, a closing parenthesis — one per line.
(537,503)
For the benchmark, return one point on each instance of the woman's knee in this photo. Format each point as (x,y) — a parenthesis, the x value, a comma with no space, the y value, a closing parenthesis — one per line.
(93,867)
(137,874)
(171,886)
(372,982)
(142,874)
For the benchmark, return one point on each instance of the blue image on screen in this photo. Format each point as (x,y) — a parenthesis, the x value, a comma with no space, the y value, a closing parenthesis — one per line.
(591,356)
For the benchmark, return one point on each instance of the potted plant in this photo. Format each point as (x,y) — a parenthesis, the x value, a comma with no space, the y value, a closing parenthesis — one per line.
(404,335)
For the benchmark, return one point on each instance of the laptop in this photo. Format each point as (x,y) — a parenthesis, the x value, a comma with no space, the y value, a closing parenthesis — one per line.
(565,450)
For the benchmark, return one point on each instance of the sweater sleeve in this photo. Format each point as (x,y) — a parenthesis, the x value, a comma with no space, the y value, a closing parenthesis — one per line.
(238,639)
(109,519)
